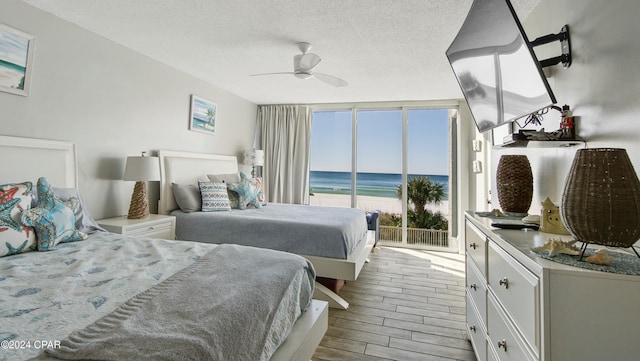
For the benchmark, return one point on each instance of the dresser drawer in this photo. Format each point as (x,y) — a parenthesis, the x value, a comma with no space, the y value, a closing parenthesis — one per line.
(518,290)
(476,330)
(477,289)
(476,245)
(505,343)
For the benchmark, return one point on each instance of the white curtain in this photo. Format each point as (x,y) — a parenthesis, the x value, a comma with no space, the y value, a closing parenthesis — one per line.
(284,135)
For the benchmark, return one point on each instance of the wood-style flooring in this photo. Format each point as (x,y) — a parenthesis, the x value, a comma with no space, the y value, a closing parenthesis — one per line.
(405,305)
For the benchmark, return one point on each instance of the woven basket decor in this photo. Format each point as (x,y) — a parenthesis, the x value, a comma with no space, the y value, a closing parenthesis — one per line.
(514,182)
(601,199)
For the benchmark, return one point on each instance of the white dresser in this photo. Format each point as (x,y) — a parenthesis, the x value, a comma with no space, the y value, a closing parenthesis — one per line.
(521,307)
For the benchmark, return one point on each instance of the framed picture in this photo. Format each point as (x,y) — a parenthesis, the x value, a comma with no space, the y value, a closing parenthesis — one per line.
(16,55)
(203,115)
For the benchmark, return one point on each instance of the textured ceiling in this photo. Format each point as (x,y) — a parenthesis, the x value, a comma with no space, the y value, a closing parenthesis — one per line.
(387,50)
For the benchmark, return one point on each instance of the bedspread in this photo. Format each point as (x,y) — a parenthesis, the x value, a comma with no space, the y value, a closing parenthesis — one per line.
(331,232)
(224,307)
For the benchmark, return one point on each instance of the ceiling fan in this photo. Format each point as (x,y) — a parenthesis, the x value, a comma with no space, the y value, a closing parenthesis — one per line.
(305,63)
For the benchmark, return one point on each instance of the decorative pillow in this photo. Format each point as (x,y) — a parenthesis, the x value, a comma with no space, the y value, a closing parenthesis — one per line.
(228,179)
(249,193)
(53,220)
(257,181)
(84,222)
(14,236)
(214,196)
(187,196)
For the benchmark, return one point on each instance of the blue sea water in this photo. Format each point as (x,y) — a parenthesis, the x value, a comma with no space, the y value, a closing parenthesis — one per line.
(368,184)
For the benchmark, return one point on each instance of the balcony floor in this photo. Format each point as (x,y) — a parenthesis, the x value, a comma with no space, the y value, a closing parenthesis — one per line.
(406,305)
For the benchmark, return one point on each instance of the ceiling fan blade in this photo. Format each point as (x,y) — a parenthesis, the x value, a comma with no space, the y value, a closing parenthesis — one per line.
(306,62)
(330,79)
(287,72)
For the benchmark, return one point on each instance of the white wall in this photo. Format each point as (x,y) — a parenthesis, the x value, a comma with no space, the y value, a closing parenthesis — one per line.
(111,102)
(602,86)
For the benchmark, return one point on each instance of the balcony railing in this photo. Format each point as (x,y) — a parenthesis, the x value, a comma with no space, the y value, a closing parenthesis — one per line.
(415,236)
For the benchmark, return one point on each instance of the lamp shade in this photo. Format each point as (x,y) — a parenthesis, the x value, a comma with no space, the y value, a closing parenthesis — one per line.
(254,157)
(142,169)
(600,203)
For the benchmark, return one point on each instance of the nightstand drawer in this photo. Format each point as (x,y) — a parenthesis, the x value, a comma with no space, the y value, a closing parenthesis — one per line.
(155,226)
(518,290)
(503,338)
(476,244)
(161,230)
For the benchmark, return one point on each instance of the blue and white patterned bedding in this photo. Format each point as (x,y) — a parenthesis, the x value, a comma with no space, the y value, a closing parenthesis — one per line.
(44,296)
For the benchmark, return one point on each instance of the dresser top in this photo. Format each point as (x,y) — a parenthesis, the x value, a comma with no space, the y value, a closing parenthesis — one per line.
(518,243)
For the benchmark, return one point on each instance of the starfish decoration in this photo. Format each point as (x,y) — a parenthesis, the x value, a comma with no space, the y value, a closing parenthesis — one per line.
(557,246)
(248,194)
(7,195)
(53,220)
(5,214)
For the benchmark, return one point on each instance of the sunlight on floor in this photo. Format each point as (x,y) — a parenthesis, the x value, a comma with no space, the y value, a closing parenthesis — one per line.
(451,263)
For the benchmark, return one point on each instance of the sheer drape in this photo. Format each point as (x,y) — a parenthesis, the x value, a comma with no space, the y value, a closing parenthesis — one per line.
(284,133)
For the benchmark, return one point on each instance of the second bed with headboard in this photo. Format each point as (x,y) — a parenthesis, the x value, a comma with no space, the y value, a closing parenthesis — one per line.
(335,240)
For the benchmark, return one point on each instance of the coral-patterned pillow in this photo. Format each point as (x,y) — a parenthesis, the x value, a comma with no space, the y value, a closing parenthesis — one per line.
(15,237)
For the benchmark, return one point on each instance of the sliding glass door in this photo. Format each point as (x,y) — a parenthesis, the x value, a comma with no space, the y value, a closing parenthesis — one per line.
(394,160)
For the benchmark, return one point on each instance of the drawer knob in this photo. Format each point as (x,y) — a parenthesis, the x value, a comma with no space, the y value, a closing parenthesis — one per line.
(504,282)
(503,344)
(473,286)
(473,245)
(473,328)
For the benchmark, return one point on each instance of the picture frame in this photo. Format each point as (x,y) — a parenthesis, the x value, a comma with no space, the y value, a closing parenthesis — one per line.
(203,115)
(16,60)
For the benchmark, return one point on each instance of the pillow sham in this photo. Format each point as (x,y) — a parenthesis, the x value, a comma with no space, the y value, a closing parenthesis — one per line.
(187,197)
(224,178)
(214,196)
(257,181)
(249,193)
(84,221)
(53,220)
(15,237)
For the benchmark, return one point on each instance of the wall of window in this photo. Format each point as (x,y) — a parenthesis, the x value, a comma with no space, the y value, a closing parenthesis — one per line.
(393,158)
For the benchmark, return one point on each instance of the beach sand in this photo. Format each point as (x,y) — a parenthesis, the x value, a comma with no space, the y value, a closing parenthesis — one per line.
(9,77)
(368,203)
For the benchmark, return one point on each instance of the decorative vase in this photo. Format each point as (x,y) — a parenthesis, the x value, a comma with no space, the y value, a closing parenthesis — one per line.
(514,182)
(601,199)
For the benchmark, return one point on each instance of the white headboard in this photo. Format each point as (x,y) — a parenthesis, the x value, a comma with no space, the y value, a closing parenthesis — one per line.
(188,168)
(27,159)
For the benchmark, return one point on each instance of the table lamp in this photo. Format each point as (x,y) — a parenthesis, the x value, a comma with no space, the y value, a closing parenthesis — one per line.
(255,158)
(141,169)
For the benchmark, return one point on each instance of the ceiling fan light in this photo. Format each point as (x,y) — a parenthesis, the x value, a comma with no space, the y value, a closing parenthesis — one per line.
(303,75)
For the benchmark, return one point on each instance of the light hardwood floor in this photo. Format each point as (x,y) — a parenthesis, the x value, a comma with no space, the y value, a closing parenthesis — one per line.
(405,305)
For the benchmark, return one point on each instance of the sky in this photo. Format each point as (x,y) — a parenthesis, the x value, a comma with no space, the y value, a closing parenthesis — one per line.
(380,141)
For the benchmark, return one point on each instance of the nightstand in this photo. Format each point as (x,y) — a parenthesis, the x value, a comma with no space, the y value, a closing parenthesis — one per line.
(156,226)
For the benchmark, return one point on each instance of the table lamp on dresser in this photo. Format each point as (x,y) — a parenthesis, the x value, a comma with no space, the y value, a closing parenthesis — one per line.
(141,169)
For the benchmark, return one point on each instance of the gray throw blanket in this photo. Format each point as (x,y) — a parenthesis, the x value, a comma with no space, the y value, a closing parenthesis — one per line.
(223,307)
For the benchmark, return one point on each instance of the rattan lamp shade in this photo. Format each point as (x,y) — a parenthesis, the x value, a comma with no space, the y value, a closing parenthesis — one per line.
(514,183)
(141,169)
(601,199)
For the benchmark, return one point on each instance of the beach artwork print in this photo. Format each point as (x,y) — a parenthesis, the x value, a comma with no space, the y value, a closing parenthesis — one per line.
(203,115)
(16,52)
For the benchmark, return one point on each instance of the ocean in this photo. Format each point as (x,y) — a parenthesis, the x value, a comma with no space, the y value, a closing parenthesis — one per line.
(369,184)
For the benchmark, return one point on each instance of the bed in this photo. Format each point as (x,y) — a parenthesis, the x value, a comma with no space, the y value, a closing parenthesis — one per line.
(304,230)
(111,296)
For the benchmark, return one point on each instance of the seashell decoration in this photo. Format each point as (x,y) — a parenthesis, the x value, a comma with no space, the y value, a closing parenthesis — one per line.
(602,257)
